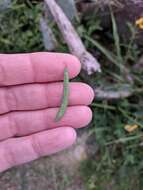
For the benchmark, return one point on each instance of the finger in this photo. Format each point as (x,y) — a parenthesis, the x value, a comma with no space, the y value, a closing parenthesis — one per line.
(25,123)
(40,96)
(36,67)
(17,151)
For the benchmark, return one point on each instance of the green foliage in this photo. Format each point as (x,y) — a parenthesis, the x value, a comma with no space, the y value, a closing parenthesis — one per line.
(19,28)
(116,38)
(118,164)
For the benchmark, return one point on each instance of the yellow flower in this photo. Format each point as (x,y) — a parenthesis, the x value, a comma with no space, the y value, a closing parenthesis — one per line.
(130,128)
(139,23)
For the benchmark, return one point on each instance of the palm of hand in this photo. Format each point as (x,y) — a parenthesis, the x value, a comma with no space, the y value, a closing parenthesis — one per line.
(30,94)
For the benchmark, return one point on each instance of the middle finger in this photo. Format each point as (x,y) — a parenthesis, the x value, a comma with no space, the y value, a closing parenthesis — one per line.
(41,96)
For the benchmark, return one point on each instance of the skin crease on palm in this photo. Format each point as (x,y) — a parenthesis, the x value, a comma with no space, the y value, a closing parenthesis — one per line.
(31,88)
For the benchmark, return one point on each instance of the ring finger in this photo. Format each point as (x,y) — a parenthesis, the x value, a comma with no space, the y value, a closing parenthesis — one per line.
(23,123)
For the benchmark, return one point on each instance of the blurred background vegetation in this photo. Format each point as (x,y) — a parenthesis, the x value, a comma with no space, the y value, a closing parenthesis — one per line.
(116,129)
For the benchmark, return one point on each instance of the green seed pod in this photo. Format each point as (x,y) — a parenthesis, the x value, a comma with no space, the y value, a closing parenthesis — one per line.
(64,103)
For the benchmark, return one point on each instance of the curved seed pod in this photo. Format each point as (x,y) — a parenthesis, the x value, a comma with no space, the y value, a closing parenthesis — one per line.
(64,103)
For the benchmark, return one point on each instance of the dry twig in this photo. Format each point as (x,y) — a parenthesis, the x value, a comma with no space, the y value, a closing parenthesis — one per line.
(49,39)
(112,95)
(89,63)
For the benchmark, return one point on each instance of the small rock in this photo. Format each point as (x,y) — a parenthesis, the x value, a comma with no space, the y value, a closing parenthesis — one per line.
(4,4)
(68,7)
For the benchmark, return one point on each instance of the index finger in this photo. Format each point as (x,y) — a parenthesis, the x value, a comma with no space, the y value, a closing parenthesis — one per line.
(37,67)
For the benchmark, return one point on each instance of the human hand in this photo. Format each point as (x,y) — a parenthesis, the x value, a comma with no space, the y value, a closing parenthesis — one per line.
(30,94)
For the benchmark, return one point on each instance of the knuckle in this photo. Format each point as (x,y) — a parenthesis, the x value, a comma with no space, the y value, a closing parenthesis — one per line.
(36,145)
(13,126)
(11,99)
(10,155)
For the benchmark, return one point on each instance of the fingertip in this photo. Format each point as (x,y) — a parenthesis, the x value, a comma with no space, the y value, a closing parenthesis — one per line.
(74,65)
(55,140)
(89,114)
(70,135)
(86,114)
(91,94)
(88,92)
(76,117)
